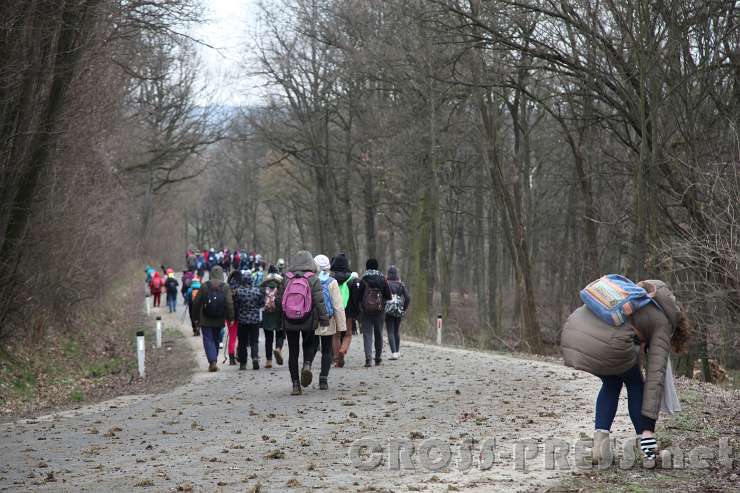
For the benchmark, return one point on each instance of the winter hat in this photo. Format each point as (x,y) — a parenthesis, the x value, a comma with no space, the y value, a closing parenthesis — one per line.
(392,273)
(371,264)
(322,261)
(340,263)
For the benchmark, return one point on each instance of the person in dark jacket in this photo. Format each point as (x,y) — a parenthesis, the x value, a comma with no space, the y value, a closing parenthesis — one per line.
(303,265)
(399,296)
(186,280)
(613,354)
(249,301)
(210,317)
(349,284)
(171,285)
(272,317)
(373,294)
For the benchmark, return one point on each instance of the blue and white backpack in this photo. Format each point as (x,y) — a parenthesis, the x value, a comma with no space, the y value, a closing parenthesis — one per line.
(326,280)
(613,298)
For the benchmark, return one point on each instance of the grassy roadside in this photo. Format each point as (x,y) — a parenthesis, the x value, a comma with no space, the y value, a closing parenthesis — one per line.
(90,359)
(710,413)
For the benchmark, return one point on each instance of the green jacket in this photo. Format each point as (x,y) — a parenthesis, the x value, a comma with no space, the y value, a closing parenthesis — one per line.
(216,280)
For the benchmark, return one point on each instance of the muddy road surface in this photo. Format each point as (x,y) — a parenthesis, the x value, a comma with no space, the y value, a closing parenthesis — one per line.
(415,424)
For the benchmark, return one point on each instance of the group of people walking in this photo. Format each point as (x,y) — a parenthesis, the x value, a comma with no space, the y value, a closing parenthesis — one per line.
(315,303)
(239,259)
(156,285)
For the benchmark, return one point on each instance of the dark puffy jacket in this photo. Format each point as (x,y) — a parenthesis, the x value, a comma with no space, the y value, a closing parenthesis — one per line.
(341,272)
(593,346)
(248,301)
(171,285)
(352,310)
(302,264)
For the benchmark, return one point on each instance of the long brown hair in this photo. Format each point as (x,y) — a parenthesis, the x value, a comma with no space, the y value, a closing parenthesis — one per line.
(682,335)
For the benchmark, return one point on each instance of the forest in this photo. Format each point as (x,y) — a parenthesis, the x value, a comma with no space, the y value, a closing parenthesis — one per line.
(501,153)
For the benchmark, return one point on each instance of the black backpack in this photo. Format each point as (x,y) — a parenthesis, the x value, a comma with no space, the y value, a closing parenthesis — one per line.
(171,285)
(215,305)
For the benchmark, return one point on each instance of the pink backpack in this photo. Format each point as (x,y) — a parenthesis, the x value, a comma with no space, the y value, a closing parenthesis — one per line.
(297,301)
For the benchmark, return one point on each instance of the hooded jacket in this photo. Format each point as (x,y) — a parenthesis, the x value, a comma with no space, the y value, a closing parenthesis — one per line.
(397,287)
(156,279)
(248,301)
(340,271)
(301,264)
(273,320)
(216,282)
(593,346)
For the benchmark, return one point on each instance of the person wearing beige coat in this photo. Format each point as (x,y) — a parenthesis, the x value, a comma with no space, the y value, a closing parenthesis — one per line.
(613,354)
(337,322)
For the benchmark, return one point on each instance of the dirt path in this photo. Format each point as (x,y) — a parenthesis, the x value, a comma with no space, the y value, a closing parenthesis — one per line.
(232,431)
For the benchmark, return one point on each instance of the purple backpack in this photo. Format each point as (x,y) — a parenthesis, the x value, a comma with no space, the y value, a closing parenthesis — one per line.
(297,301)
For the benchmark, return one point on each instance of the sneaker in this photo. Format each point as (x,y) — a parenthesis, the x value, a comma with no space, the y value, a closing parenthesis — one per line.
(220,345)
(212,366)
(242,366)
(378,361)
(232,360)
(367,363)
(306,375)
(296,389)
(255,364)
(393,356)
(278,357)
(268,364)
(323,384)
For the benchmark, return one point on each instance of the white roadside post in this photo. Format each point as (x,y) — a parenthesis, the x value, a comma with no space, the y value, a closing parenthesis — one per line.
(159,332)
(140,351)
(439,330)
(146,303)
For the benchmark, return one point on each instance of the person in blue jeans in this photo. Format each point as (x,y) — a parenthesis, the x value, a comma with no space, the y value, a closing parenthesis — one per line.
(608,400)
(213,306)
(614,353)
(171,286)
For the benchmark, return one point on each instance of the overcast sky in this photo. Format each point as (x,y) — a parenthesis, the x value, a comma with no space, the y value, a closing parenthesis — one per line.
(229,29)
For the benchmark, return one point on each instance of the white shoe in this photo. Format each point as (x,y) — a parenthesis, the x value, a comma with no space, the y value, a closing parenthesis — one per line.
(394,356)
(221,345)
